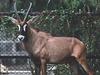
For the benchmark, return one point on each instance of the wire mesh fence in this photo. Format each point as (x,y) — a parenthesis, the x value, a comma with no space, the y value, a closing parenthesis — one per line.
(16,66)
(14,58)
(17,61)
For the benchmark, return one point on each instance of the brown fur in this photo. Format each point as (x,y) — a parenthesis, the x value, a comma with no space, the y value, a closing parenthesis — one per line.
(44,49)
(49,49)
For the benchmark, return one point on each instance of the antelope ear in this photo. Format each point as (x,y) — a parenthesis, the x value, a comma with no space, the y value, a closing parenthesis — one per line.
(29,22)
(15,21)
(32,20)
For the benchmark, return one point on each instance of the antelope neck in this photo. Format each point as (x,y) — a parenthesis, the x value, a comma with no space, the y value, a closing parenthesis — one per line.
(30,34)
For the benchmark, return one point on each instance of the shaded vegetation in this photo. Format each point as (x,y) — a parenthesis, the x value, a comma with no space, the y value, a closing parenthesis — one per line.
(58,17)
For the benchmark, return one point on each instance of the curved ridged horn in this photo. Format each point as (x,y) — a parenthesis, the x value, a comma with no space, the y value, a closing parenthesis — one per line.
(27,12)
(18,17)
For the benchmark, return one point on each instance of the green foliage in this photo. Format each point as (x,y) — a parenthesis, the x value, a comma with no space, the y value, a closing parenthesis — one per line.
(60,20)
(6,28)
(63,70)
(58,23)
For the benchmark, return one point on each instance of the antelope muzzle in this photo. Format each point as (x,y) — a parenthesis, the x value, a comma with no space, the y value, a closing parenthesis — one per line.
(20,38)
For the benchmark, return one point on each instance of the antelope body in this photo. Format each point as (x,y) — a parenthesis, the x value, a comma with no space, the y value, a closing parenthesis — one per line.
(44,48)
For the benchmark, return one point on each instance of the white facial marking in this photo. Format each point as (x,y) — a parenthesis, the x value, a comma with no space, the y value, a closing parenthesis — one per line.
(19,28)
(20,38)
(24,27)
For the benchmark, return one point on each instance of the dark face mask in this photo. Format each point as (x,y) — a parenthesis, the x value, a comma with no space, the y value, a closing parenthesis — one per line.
(22,32)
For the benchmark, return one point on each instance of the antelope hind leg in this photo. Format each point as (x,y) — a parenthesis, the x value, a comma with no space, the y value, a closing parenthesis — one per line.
(85,65)
(76,68)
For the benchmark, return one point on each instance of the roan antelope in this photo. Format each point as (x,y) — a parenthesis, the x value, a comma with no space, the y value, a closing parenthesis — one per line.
(44,48)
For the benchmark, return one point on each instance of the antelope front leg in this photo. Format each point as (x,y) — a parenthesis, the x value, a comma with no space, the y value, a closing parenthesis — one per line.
(43,67)
(37,69)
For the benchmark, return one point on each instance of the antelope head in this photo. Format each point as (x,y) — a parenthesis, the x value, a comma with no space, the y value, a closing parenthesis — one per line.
(22,25)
